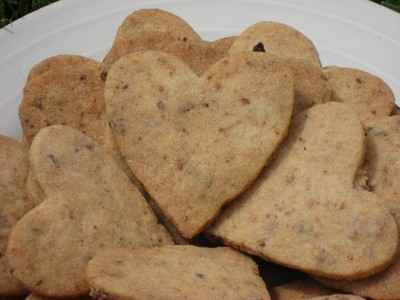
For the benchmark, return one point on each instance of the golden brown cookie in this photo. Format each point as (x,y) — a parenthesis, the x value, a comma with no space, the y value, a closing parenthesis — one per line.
(61,92)
(196,143)
(14,203)
(278,39)
(154,29)
(175,272)
(383,167)
(90,205)
(304,213)
(298,290)
(367,94)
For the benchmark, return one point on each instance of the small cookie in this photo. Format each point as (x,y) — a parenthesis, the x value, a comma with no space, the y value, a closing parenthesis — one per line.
(304,213)
(154,29)
(298,290)
(90,205)
(175,272)
(278,39)
(383,167)
(14,203)
(196,143)
(61,92)
(367,94)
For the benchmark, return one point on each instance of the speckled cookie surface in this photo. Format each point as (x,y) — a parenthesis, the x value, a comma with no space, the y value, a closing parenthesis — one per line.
(304,213)
(278,39)
(14,203)
(178,272)
(298,290)
(67,93)
(311,86)
(383,165)
(90,205)
(154,29)
(196,143)
(368,95)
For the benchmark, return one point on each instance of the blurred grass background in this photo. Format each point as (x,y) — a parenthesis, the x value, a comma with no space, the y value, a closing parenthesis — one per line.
(11,10)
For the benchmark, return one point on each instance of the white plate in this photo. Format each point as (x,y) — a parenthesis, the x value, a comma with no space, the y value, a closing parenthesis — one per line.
(355,33)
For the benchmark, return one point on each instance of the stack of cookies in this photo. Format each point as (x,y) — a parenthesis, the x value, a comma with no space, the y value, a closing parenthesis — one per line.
(172,167)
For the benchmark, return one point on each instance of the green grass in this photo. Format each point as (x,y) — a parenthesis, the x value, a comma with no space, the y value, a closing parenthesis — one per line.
(11,10)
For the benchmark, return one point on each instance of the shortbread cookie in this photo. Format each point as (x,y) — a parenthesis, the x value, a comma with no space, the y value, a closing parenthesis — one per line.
(90,205)
(298,290)
(383,165)
(58,92)
(304,213)
(175,272)
(154,29)
(14,203)
(278,39)
(367,94)
(197,143)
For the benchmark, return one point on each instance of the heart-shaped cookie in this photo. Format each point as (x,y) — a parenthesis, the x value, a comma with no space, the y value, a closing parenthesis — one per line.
(383,170)
(90,205)
(311,86)
(196,143)
(66,90)
(179,272)
(278,39)
(304,212)
(14,203)
(155,29)
(367,94)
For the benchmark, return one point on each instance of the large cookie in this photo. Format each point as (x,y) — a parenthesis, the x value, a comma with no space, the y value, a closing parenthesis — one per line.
(66,90)
(383,162)
(310,84)
(90,205)
(304,213)
(175,272)
(298,290)
(154,29)
(196,143)
(14,203)
(367,94)
(278,39)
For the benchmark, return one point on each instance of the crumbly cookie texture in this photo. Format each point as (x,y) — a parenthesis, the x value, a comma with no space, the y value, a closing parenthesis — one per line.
(64,90)
(303,212)
(90,205)
(155,29)
(196,143)
(383,170)
(367,94)
(178,272)
(14,203)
